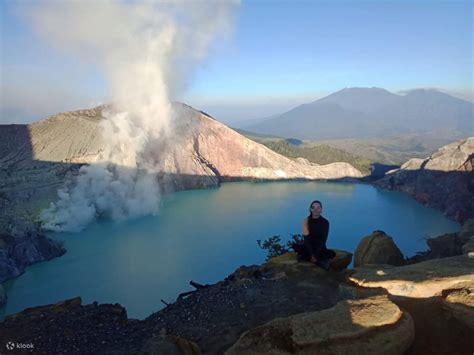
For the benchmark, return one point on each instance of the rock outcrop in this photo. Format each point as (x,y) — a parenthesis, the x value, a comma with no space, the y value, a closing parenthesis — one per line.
(19,251)
(437,293)
(446,245)
(424,279)
(459,302)
(368,326)
(377,248)
(444,180)
(69,327)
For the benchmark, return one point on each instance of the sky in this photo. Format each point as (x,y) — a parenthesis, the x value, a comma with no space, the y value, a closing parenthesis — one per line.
(277,55)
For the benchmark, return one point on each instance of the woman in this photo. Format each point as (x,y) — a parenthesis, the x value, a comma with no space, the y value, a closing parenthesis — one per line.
(315,233)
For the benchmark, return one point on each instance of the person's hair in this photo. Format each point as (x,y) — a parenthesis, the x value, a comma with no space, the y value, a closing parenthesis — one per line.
(311,204)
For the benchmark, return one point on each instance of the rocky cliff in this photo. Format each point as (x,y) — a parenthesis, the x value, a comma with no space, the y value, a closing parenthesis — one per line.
(444,180)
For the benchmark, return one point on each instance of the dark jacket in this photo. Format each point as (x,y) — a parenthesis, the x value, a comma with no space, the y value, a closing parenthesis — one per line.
(315,241)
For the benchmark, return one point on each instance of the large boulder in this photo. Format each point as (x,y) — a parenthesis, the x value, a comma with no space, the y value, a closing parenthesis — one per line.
(445,245)
(366,326)
(377,248)
(341,260)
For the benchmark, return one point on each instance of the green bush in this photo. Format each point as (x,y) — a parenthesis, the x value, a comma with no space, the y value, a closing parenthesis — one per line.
(274,247)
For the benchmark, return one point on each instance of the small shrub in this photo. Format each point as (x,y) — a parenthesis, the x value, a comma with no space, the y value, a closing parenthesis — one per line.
(274,247)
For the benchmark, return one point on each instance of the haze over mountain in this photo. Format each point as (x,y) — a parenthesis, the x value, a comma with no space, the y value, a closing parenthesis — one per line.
(372,112)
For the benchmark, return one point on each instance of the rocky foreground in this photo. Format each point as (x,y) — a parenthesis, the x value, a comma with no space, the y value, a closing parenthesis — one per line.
(283,307)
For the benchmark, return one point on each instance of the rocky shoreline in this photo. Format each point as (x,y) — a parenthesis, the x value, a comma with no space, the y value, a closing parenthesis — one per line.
(282,306)
(444,180)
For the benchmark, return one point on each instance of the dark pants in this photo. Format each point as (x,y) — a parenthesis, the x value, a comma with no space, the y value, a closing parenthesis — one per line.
(306,250)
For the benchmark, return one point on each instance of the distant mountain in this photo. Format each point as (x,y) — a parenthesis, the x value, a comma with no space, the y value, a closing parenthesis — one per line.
(372,112)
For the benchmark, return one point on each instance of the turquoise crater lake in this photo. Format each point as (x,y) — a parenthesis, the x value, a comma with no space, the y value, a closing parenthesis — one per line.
(204,235)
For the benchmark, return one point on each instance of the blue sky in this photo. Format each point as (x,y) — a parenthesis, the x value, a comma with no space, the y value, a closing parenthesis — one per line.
(280,54)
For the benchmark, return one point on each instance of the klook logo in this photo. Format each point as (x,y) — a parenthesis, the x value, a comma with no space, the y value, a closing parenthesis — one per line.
(11,345)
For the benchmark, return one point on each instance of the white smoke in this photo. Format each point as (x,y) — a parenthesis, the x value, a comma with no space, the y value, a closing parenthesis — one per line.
(147,51)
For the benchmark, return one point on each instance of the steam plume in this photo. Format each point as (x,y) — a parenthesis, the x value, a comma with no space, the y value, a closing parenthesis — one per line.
(147,51)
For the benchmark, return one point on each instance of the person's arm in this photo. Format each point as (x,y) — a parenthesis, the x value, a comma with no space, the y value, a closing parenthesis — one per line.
(325,233)
(305,228)
(307,239)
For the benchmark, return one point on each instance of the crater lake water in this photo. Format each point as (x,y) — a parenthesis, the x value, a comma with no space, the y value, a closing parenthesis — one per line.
(204,235)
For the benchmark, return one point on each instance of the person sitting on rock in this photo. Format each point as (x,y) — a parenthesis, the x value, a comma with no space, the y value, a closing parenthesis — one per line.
(315,234)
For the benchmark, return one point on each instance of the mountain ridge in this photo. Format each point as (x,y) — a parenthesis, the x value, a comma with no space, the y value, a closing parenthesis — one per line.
(371,112)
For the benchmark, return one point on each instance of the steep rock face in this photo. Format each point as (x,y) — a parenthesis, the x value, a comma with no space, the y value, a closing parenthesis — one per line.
(377,248)
(223,152)
(445,180)
(19,251)
(35,161)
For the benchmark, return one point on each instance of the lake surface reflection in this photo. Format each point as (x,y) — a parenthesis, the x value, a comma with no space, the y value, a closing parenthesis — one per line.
(204,235)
